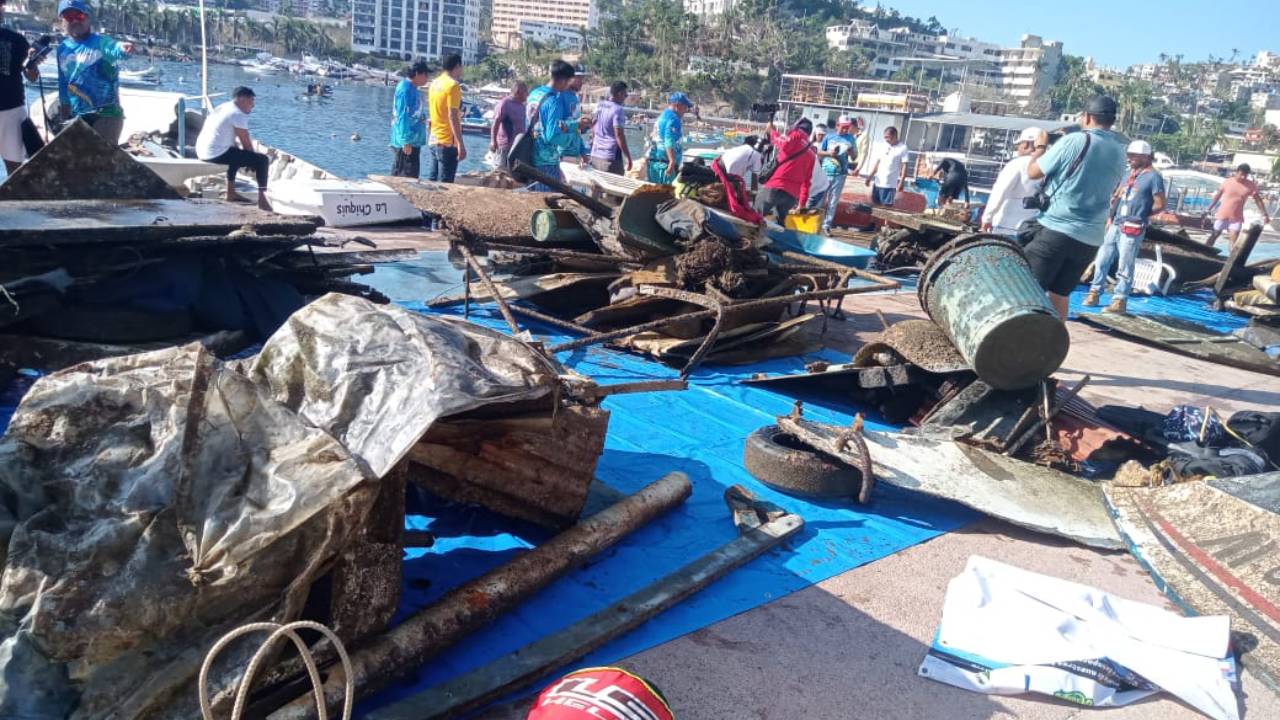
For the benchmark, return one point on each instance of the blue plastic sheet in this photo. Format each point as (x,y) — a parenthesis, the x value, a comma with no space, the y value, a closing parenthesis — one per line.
(1191,307)
(699,431)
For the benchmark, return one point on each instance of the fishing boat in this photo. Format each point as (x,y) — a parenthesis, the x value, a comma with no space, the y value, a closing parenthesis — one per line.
(148,77)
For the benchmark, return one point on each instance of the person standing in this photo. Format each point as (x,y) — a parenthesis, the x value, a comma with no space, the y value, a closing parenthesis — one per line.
(88,76)
(1080,171)
(668,140)
(887,175)
(953,180)
(508,122)
(408,122)
(1133,204)
(14,51)
(609,151)
(838,153)
(444,98)
(1232,194)
(555,133)
(228,123)
(1005,212)
(819,183)
(788,185)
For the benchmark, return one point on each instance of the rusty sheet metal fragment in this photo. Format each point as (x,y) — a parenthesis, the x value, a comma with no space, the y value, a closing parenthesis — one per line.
(761,528)
(79,164)
(473,212)
(1023,494)
(1211,546)
(1185,338)
(397,653)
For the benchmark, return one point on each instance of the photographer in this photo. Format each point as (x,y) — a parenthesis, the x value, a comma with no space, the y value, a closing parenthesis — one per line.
(14,52)
(1080,172)
(88,75)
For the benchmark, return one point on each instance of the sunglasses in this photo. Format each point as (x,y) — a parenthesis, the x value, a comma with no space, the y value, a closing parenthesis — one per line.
(74,16)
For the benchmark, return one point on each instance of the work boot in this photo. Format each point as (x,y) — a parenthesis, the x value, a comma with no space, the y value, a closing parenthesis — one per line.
(1118,306)
(1091,300)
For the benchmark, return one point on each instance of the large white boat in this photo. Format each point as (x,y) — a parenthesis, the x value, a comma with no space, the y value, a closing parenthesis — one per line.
(296,187)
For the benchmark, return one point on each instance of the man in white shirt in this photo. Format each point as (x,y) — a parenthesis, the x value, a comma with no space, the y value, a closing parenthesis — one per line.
(1004,211)
(228,123)
(886,176)
(744,159)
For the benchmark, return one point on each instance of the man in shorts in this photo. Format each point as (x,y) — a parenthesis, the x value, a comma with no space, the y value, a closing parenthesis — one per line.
(1230,200)
(1081,170)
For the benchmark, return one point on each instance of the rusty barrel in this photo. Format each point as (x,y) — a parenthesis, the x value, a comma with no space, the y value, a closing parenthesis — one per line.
(979,289)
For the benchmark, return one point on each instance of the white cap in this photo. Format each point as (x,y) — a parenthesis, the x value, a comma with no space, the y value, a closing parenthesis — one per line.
(1139,147)
(1030,135)
(844,120)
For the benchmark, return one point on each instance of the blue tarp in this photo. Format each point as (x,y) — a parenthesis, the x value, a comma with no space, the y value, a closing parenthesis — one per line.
(701,432)
(1191,307)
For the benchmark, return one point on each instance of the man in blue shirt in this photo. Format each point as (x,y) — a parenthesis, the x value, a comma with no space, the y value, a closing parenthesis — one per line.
(88,78)
(1081,170)
(408,122)
(554,129)
(668,145)
(1134,202)
(837,153)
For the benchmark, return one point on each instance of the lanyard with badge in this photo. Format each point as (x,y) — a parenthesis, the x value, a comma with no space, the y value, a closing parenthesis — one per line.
(1131,228)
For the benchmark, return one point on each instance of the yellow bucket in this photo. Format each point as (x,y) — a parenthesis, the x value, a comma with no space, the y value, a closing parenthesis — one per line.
(805,221)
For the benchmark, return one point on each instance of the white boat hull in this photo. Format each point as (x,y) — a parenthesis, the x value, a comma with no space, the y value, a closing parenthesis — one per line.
(177,171)
(341,203)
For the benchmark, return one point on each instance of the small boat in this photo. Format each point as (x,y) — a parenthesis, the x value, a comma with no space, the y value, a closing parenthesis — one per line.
(149,77)
(476,126)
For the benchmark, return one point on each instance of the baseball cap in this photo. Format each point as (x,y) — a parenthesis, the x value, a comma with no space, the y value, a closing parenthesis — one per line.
(1030,135)
(594,693)
(1102,106)
(681,98)
(78,5)
(1139,147)
(844,121)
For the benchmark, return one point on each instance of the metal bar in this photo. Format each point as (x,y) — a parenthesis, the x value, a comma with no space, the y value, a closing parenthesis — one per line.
(706,345)
(553,252)
(523,169)
(1048,426)
(466,291)
(1031,431)
(524,666)
(600,391)
(550,319)
(490,288)
(400,651)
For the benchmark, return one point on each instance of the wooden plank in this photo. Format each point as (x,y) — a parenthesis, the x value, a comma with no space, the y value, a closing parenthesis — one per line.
(49,222)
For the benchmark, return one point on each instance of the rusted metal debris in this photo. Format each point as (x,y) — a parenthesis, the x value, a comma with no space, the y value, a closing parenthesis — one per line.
(79,164)
(391,656)
(844,444)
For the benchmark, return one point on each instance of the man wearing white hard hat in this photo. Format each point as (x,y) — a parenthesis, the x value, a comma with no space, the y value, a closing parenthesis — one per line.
(1136,199)
(1004,210)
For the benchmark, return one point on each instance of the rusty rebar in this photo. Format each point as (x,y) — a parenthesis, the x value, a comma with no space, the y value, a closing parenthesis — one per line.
(1031,431)
(400,651)
(553,252)
(491,288)
(550,319)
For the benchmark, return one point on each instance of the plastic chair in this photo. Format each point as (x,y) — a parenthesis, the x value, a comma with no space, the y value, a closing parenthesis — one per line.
(1148,274)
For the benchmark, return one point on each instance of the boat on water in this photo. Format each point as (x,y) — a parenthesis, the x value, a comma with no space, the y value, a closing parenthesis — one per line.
(147,77)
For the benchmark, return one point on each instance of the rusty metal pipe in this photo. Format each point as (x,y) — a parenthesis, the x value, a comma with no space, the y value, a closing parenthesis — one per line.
(550,319)
(553,252)
(409,645)
(491,289)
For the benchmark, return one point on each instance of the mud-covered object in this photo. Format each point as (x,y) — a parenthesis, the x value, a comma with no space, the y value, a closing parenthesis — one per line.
(689,220)
(152,502)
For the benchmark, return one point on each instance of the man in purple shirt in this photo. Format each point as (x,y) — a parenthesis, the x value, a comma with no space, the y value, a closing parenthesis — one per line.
(508,122)
(609,151)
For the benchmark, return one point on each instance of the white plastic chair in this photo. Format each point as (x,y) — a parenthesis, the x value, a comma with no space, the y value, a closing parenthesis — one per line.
(1152,277)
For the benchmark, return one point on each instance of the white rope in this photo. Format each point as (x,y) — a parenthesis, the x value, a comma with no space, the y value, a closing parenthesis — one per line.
(277,631)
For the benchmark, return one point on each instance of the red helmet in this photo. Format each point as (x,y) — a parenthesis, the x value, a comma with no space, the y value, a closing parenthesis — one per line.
(606,693)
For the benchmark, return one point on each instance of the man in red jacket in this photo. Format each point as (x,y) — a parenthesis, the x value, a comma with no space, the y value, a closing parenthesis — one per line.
(788,187)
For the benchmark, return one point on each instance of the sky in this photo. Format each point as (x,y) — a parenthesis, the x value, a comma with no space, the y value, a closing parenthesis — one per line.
(1117,33)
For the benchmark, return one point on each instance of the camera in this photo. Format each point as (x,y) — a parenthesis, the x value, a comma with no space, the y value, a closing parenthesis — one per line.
(766,108)
(42,48)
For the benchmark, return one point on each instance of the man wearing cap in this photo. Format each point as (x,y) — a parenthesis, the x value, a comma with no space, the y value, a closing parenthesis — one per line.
(744,160)
(1004,211)
(665,155)
(838,152)
(788,185)
(1232,194)
(1133,203)
(1080,172)
(227,124)
(886,176)
(88,78)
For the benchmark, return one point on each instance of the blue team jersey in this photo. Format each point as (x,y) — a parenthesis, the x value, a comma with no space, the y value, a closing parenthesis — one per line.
(88,78)
(408,117)
(554,132)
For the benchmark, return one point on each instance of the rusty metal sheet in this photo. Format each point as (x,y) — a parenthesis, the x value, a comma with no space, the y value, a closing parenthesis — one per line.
(79,164)
(30,223)
(474,212)
(920,342)
(1211,547)
(1187,338)
(854,376)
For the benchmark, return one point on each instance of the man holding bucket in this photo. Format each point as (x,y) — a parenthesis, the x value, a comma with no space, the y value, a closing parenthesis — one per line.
(1080,172)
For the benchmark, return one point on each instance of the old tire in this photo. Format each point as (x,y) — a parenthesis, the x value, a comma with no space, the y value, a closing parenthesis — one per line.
(782,462)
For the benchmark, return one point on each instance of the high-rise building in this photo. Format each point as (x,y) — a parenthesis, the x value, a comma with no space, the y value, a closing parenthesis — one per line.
(416,28)
(708,8)
(507,15)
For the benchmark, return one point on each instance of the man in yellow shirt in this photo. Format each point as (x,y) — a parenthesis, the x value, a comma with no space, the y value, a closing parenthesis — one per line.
(444,99)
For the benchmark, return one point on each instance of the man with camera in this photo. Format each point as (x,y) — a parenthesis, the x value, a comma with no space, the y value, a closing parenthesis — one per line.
(1005,211)
(1080,172)
(14,53)
(88,75)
